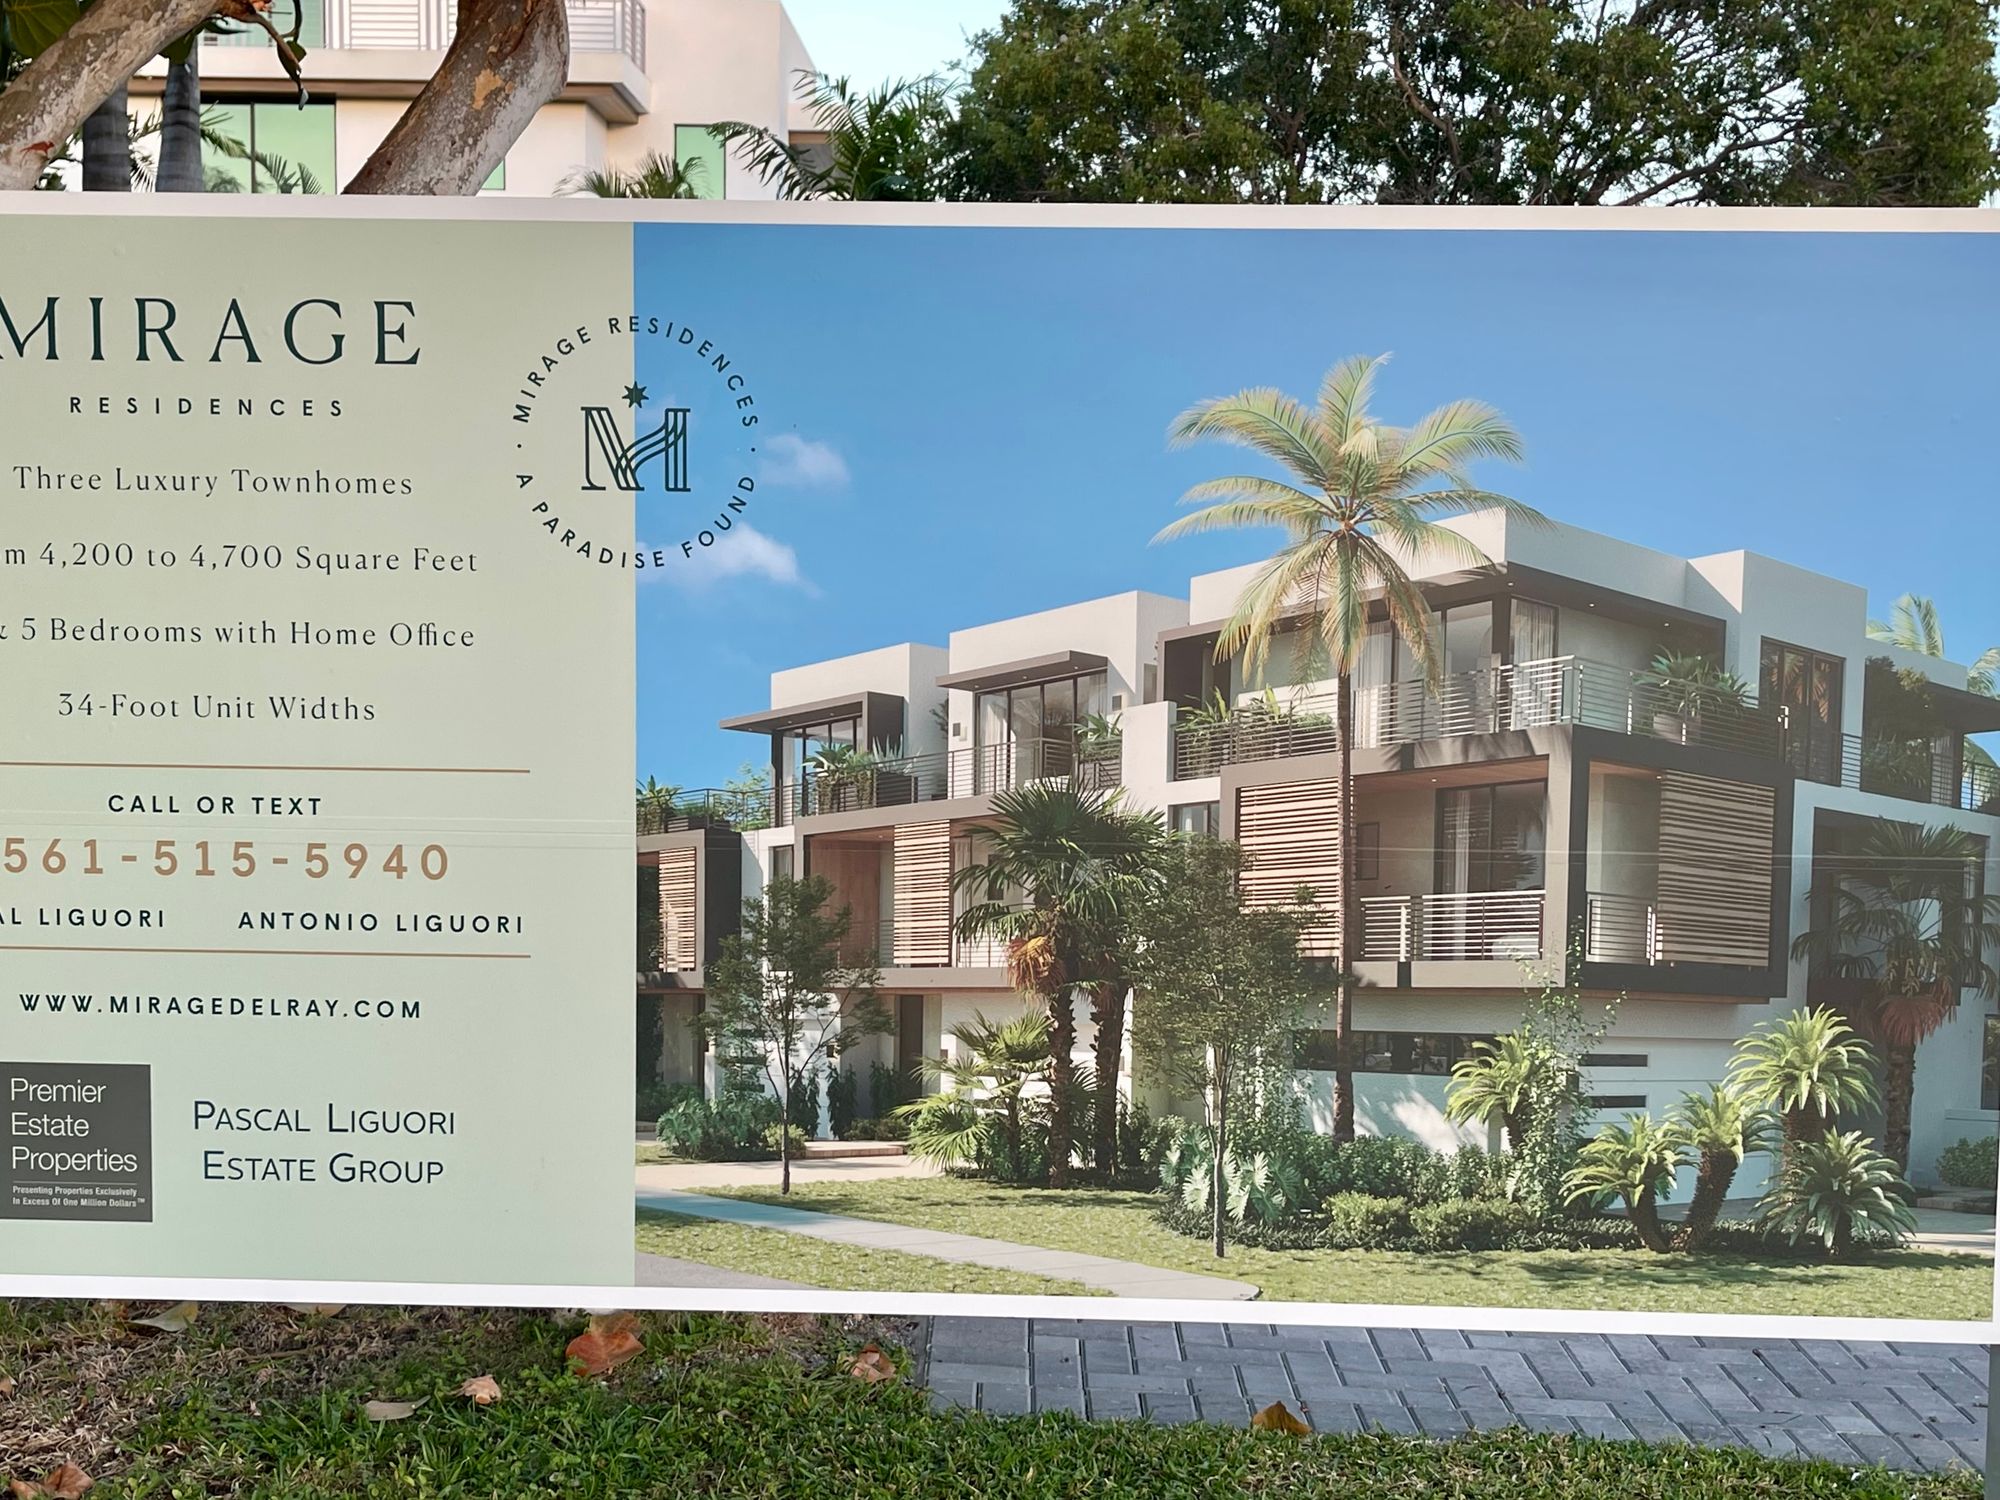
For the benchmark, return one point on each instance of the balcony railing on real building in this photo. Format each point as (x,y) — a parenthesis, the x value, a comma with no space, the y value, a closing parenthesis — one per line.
(428,25)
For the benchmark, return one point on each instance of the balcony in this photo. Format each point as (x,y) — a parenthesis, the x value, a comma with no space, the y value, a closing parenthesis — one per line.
(1928,771)
(1522,695)
(868,782)
(390,48)
(705,807)
(1455,927)
(1620,929)
(876,944)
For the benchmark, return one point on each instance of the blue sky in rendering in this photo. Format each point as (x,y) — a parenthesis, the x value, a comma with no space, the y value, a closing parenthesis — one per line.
(964,425)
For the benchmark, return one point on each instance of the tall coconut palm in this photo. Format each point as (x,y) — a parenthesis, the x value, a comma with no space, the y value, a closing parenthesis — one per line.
(1906,920)
(1362,499)
(180,169)
(1806,1068)
(1913,625)
(107,145)
(1063,867)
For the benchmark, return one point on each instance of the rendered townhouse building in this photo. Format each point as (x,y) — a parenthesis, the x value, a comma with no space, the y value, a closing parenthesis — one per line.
(644,76)
(1543,811)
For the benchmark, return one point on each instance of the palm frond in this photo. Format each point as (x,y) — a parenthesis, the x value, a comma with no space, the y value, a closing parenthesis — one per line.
(1344,393)
(1269,422)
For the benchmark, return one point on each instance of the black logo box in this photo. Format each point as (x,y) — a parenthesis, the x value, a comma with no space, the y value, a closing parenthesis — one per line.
(50,1171)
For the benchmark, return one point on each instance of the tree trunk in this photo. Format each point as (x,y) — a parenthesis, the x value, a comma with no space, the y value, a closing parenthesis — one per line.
(107,146)
(1062,1041)
(51,98)
(1350,924)
(180,128)
(507,59)
(1899,1078)
(1109,1014)
(1711,1187)
(785,1139)
(1217,1153)
(1646,1219)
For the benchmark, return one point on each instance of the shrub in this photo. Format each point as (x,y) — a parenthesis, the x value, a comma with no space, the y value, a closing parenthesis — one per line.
(1380,1166)
(798,1141)
(1358,1221)
(1468,1172)
(1970,1164)
(842,1094)
(882,1128)
(1838,1191)
(655,1099)
(731,1128)
(1470,1224)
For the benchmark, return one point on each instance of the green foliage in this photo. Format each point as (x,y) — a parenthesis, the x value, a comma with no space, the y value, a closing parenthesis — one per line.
(885,145)
(1380,1165)
(734,1127)
(1970,1164)
(1470,1224)
(1837,1191)
(887,1088)
(1807,1066)
(1694,687)
(1720,1127)
(29,26)
(1491,1085)
(949,1130)
(658,175)
(879,1128)
(1478,101)
(746,796)
(843,1091)
(984,1114)
(655,1099)
(1633,1161)
(805,1099)
(1364,1221)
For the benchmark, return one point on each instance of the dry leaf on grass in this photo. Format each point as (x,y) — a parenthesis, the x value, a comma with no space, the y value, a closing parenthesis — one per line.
(66,1481)
(6,1386)
(323,1309)
(872,1365)
(22,1489)
(175,1319)
(391,1411)
(605,1345)
(483,1389)
(1277,1417)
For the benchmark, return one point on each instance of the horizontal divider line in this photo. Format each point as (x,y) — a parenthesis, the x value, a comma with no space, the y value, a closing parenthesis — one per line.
(255,952)
(178,765)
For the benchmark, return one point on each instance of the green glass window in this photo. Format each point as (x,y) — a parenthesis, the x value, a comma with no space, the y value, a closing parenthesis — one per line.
(311,16)
(496,182)
(703,158)
(284,149)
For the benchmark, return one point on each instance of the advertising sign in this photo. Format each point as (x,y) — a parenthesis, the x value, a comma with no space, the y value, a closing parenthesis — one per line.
(1416,710)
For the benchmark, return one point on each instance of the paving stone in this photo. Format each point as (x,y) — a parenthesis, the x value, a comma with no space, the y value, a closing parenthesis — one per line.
(949,1371)
(1111,1405)
(1006,1400)
(1067,1400)
(1168,1409)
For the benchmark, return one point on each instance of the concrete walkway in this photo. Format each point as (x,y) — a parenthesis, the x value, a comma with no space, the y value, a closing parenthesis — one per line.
(845,1170)
(1117,1278)
(1911,1406)
(668,1270)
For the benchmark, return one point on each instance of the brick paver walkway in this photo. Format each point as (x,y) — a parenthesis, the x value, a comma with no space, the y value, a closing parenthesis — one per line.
(1911,1406)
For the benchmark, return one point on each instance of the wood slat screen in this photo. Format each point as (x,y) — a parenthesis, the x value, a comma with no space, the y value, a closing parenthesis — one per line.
(1292,834)
(1716,868)
(923,895)
(680,947)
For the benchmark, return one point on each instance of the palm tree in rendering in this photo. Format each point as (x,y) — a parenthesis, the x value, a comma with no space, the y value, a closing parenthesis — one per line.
(1913,625)
(1905,921)
(1361,500)
(1063,867)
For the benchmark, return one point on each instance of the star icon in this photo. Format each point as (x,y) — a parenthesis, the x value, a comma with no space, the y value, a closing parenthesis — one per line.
(635,395)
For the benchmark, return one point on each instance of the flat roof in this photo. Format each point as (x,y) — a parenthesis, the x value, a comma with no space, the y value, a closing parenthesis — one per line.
(1028,669)
(796,715)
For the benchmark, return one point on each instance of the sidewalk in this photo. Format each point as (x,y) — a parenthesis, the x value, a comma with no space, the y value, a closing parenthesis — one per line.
(1910,1406)
(1117,1278)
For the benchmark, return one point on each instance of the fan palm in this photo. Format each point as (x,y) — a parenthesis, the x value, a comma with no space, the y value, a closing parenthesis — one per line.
(1807,1067)
(1633,1161)
(1361,501)
(1905,918)
(655,801)
(1062,870)
(1913,625)
(977,1112)
(881,146)
(657,176)
(1720,1127)
(1494,1085)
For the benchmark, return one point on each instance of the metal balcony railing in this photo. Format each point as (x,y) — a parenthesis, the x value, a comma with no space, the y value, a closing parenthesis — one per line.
(428,25)
(1620,929)
(1452,926)
(1521,695)
(704,807)
(900,782)
(1932,771)
(879,944)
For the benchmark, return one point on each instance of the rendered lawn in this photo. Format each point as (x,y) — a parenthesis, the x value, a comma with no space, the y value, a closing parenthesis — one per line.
(847,1268)
(260,1402)
(1902,1284)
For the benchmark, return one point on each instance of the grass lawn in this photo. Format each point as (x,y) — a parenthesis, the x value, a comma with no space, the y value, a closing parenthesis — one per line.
(1902,1284)
(261,1402)
(846,1268)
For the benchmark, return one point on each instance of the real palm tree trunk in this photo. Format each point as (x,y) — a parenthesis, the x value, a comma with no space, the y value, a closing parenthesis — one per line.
(1350,923)
(1109,1013)
(180,128)
(107,146)
(1062,1041)
(1899,1077)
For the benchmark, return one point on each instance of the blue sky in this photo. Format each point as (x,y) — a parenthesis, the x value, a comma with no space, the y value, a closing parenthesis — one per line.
(874,40)
(963,425)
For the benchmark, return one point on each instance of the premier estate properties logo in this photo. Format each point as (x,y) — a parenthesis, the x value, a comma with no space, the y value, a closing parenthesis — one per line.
(678,440)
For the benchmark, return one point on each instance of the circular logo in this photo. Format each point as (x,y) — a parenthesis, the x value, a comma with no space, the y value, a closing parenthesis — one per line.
(635,419)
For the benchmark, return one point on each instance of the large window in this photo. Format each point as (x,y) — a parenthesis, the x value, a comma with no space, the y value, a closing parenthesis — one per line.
(1428,1054)
(284,148)
(1026,732)
(1807,685)
(1492,838)
(803,743)
(703,158)
(1200,818)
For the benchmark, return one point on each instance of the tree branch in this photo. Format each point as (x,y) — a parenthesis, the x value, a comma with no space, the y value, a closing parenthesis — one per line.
(507,59)
(54,94)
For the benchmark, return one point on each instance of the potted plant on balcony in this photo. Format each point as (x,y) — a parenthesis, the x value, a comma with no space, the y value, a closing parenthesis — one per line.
(1201,734)
(844,776)
(1100,742)
(1688,691)
(655,805)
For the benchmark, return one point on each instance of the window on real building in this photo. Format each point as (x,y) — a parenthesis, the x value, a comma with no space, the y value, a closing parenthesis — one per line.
(1201,818)
(285,148)
(703,158)
(309,14)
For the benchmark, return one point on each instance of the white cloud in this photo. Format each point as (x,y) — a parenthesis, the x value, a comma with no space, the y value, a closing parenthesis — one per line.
(790,459)
(741,552)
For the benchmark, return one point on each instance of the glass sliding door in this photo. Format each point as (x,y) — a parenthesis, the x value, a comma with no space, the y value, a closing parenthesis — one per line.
(1807,685)
(1492,842)
(1028,733)
(1535,680)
